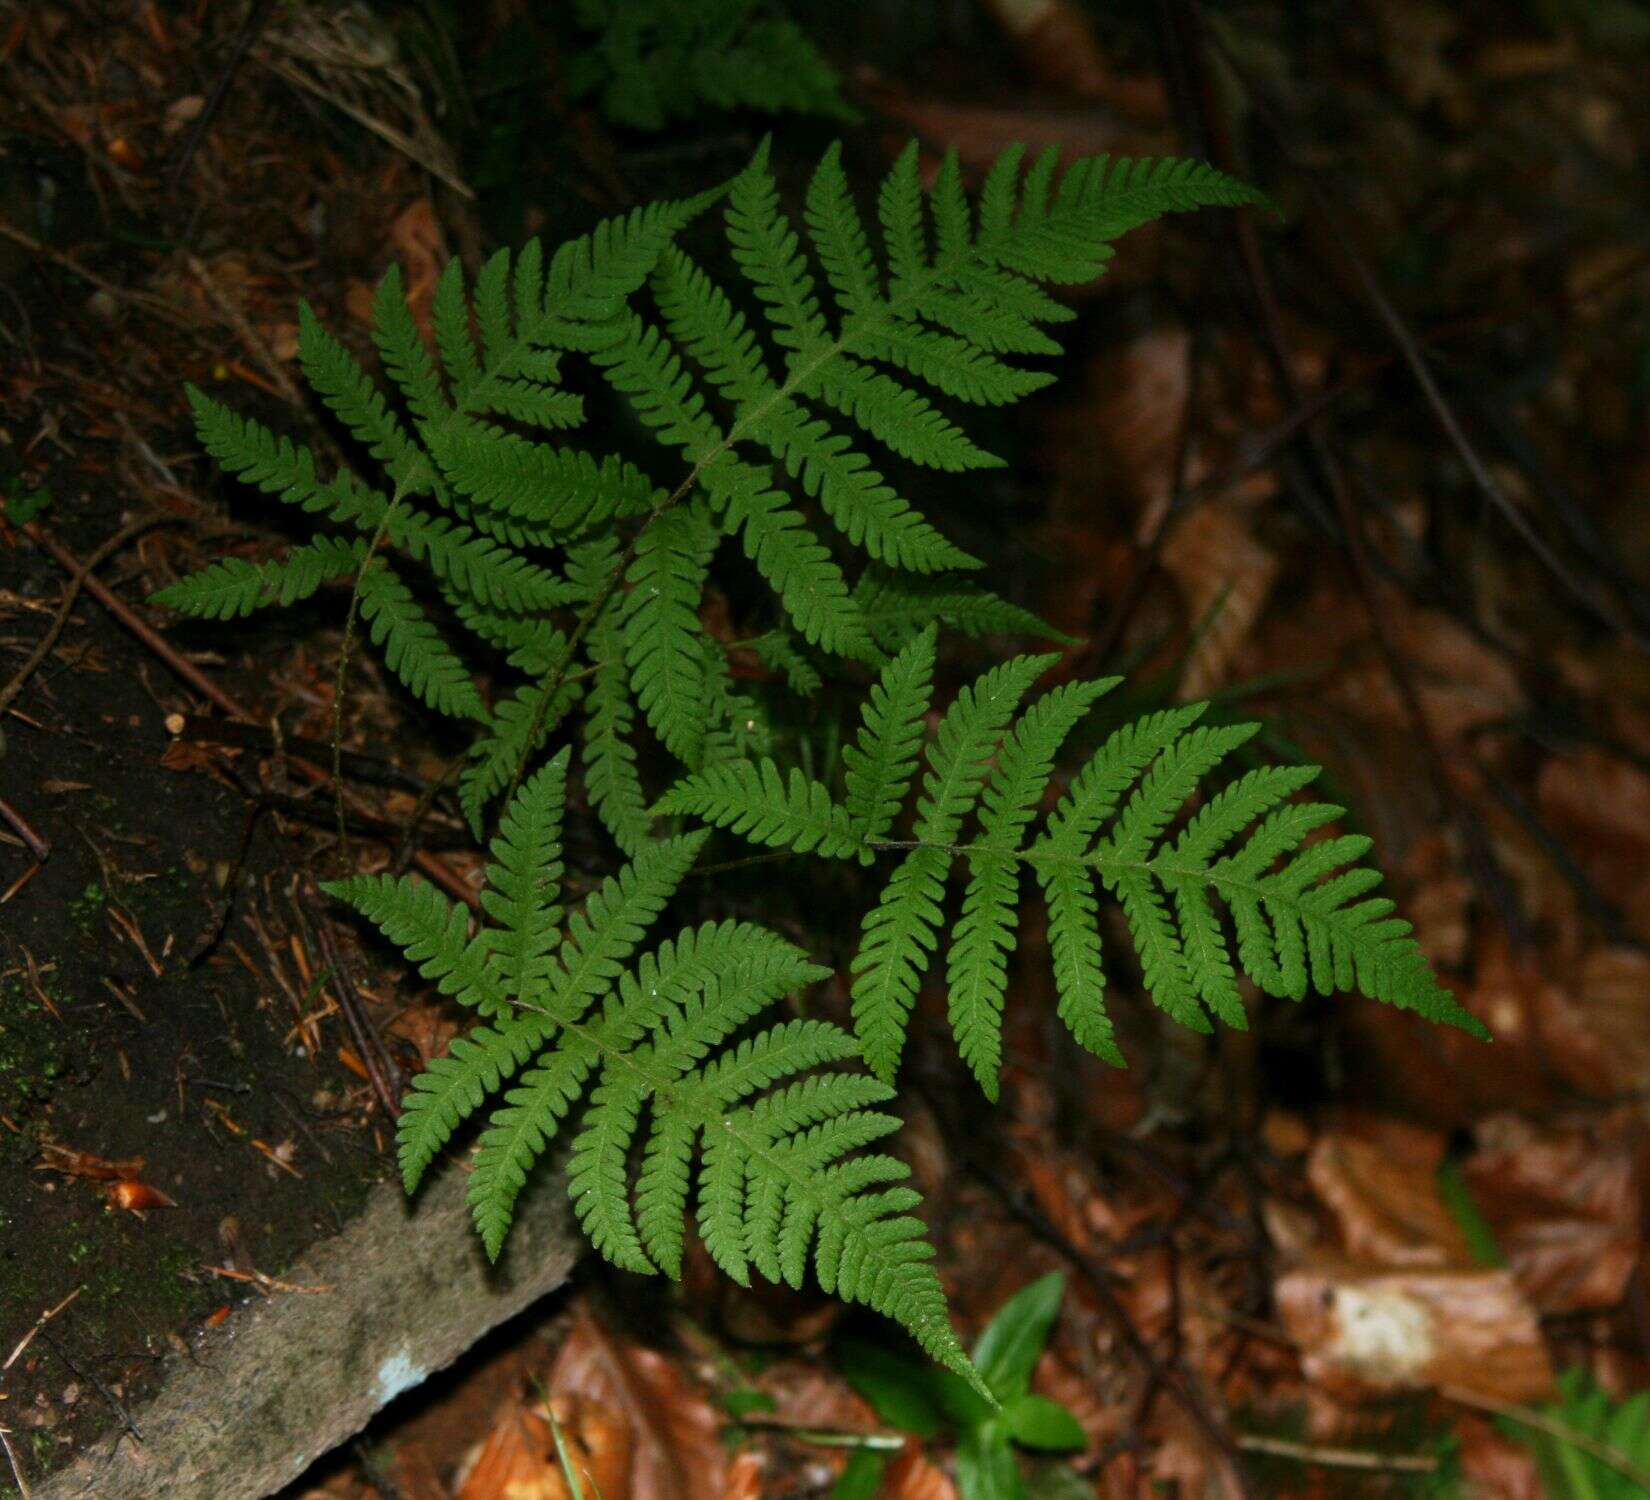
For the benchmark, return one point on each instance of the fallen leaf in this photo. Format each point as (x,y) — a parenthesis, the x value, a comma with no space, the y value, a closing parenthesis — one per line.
(56,1158)
(912,1476)
(1384,1196)
(1598,806)
(678,1449)
(416,241)
(1056,45)
(138,1197)
(1564,1204)
(1493,1465)
(1225,577)
(1362,1329)
(519,1459)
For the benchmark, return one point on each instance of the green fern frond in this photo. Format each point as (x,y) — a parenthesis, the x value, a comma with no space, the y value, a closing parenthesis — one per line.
(1301,914)
(517,726)
(664,1039)
(755,800)
(877,767)
(778,651)
(653,61)
(413,648)
(610,775)
(662,630)
(496,355)
(234,587)
(771,414)
(897,605)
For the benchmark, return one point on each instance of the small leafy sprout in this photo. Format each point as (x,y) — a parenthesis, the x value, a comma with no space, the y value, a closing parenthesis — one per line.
(928,1403)
(20,507)
(1587,1446)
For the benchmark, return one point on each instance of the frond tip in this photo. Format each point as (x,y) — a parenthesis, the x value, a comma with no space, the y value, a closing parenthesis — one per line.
(1240,886)
(660,1049)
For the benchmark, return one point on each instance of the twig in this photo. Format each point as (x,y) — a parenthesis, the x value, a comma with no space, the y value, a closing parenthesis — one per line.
(1338,1458)
(436,868)
(1554,1428)
(823,1437)
(249,335)
(382,1073)
(149,304)
(36,843)
(39,1323)
(256,14)
(198,729)
(16,1471)
(78,578)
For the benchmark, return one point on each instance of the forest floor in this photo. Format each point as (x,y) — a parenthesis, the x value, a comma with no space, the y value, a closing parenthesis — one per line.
(1371,470)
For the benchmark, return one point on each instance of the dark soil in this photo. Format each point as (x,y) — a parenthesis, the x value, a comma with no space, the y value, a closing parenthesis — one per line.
(188,1059)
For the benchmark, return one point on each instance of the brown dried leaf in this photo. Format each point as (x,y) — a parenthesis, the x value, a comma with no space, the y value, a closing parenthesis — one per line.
(1225,577)
(1362,1329)
(416,241)
(1596,1029)
(1056,45)
(980,133)
(912,1476)
(1564,1204)
(1460,682)
(1493,1465)
(745,1476)
(138,1197)
(678,1452)
(1439,904)
(1598,805)
(519,1460)
(1384,1196)
(71,1163)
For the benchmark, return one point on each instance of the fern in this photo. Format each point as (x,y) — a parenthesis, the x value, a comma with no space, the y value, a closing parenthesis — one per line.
(653,61)
(775,421)
(1301,913)
(665,1035)
(513,578)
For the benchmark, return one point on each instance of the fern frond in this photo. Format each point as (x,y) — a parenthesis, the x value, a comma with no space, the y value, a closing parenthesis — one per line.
(653,62)
(877,767)
(778,651)
(350,394)
(796,564)
(413,647)
(755,800)
(610,774)
(1302,915)
(896,606)
(518,725)
(524,881)
(662,1038)
(661,629)
(234,587)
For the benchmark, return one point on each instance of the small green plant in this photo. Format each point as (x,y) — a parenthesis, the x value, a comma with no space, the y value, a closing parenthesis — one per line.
(654,61)
(1589,1447)
(929,1403)
(761,395)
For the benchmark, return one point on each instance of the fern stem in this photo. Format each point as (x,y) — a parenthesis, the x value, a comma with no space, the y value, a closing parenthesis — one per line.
(350,617)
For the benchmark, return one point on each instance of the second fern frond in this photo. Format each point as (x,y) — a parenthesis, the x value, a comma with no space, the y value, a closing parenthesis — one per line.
(1298,913)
